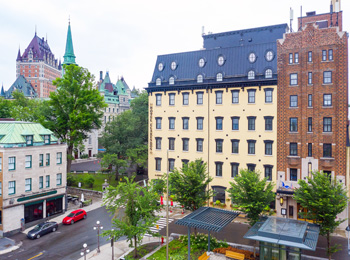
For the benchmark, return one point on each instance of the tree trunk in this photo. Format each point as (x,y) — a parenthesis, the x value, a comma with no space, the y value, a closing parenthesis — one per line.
(329,246)
(135,251)
(69,157)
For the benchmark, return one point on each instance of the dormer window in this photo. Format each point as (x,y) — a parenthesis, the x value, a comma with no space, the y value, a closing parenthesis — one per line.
(29,140)
(47,139)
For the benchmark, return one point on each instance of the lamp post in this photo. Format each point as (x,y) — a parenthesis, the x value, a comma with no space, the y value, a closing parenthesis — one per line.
(167,206)
(97,227)
(84,251)
(348,229)
(112,244)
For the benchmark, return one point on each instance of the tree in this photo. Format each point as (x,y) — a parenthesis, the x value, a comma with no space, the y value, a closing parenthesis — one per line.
(189,185)
(250,194)
(74,109)
(323,198)
(112,162)
(140,206)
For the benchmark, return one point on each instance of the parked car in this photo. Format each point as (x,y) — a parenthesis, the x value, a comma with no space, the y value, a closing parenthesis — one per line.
(74,216)
(42,229)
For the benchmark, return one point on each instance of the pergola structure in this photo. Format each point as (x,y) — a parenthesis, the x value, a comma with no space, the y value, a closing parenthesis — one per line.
(207,218)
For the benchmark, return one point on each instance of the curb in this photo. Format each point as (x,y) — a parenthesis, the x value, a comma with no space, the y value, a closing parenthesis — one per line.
(12,248)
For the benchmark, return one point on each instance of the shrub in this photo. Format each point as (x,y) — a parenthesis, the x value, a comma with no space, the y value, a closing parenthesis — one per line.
(84,156)
(200,242)
(72,180)
(88,180)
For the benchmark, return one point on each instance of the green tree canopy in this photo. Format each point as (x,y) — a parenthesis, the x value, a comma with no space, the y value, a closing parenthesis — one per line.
(324,198)
(74,109)
(140,206)
(189,184)
(251,194)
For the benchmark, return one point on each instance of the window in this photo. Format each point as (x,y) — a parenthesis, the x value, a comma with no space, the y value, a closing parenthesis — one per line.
(185,123)
(309,124)
(158,82)
(201,62)
(324,55)
(221,60)
(327,124)
(185,142)
(158,123)
(327,150)
(199,144)
(171,99)
(251,74)
(252,57)
(171,165)
(171,144)
(235,146)
(219,77)
(41,160)
(251,122)
(309,100)
(59,158)
(268,147)
(268,123)
(47,139)
(251,167)
(47,182)
(12,187)
(251,96)
(158,99)
(296,57)
(200,123)
(171,123)
(218,169)
(41,182)
(309,78)
(0,163)
(185,97)
(12,163)
(251,146)
(290,58)
(199,98)
(29,140)
(293,174)
(234,169)
(158,143)
(171,81)
(235,96)
(268,73)
(293,149)
(58,179)
(219,192)
(293,124)
(184,162)
(293,79)
(327,100)
(330,54)
(158,164)
(28,184)
(218,99)
(0,195)
(28,163)
(219,144)
(235,123)
(293,101)
(309,56)
(268,172)
(47,159)
(200,78)
(309,149)
(219,121)
(268,95)
(327,77)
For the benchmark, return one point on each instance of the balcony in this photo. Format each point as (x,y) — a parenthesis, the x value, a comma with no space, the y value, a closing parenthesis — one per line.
(293,160)
(327,162)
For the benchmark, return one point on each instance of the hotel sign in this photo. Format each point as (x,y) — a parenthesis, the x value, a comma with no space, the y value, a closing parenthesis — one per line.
(37,196)
(150,127)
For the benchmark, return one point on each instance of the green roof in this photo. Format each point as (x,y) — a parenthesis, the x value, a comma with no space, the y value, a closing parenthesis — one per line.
(69,57)
(14,132)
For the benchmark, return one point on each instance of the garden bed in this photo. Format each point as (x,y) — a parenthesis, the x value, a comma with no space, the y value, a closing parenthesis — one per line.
(142,251)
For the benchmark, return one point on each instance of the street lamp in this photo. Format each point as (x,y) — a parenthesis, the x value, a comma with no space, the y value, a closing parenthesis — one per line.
(348,229)
(97,227)
(112,244)
(84,251)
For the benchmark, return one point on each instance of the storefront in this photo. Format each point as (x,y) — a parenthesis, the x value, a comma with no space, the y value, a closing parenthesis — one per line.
(54,206)
(33,211)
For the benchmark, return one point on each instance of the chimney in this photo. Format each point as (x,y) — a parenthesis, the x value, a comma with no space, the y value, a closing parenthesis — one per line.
(101,75)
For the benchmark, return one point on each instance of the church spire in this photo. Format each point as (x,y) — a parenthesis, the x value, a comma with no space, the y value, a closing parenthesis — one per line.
(69,57)
(19,55)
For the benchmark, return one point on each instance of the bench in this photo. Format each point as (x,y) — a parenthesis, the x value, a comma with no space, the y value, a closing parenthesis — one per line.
(234,255)
(204,256)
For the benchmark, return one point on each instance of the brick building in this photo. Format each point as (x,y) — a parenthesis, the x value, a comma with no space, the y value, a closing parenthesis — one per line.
(312,104)
(39,66)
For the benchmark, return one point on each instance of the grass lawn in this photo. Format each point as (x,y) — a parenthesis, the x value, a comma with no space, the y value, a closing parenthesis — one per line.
(99,180)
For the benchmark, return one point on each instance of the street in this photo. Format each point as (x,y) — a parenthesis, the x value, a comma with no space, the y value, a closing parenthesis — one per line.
(66,242)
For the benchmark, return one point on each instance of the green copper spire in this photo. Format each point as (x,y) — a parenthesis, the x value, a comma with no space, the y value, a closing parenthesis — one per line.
(69,57)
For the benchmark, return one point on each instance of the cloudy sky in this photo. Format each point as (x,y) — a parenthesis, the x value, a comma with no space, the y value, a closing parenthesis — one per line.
(125,37)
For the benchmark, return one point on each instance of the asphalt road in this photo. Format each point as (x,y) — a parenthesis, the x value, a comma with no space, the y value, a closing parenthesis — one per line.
(66,242)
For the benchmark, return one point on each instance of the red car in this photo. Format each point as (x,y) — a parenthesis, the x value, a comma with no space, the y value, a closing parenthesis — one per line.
(74,216)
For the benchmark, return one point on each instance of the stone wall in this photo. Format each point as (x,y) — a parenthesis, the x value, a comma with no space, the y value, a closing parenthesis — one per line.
(87,193)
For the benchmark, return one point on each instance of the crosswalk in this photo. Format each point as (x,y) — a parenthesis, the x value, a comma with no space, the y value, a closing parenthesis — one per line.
(161,223)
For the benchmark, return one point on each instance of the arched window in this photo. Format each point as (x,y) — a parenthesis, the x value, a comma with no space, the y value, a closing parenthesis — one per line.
(251,74)
(200,78)
(158,82)
(171,81)
(219,77)
(268,73)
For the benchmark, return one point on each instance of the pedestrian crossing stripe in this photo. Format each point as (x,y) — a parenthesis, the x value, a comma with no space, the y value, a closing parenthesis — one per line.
(161,223)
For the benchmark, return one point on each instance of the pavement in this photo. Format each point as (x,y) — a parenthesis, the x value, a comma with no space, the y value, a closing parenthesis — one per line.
(121,248)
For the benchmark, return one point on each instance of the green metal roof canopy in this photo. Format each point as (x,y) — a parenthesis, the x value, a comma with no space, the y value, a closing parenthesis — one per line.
(207,218)
(287,232)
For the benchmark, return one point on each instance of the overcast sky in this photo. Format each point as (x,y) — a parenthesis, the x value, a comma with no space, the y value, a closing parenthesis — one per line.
(125,37)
